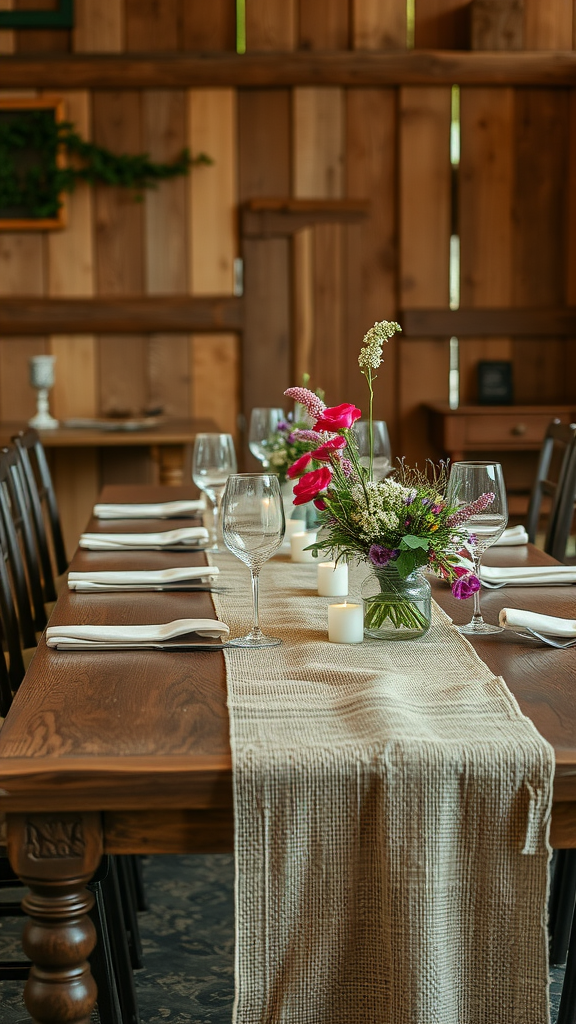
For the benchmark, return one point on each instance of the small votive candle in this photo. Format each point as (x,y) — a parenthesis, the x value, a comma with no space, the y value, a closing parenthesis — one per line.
(332,579)
(345,623)
(299,541)
(293,526)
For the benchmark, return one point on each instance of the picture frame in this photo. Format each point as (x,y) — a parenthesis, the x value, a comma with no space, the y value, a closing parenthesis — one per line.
(61,17)
(495,385)
(19,218)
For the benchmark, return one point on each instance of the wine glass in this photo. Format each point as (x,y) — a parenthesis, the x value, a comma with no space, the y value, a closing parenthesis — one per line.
(253,529)
(468,482)
(382,455)
(263,423)
(213,461)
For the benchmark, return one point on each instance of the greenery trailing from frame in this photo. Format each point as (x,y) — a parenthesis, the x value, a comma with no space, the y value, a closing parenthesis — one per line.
(32,183)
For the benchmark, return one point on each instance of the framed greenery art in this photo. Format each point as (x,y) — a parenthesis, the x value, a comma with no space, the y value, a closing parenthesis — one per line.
(62,16)
(31,163)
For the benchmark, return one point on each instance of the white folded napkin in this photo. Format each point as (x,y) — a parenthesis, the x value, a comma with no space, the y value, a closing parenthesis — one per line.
(515,618)
(528,576)
(188,536)
(79,637)
(153,510)
(139,579)
(514,536)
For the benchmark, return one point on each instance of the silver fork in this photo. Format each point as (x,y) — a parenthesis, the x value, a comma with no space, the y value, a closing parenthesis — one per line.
(560,644)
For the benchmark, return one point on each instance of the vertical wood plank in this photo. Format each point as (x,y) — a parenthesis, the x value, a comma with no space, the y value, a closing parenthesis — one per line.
(303,305)
(471,351)
(318,158)
(378,25)
(7,35)
(549,25)
(324,25)
(215,382)
(44,40)
(442,25)
(152,25)
(371,257)
(271,26)
(75,387)
(423,377)
(264,139)
(119,218)
(122,372)
(76,476)
(169,374)
(17,396)
(213,191)
(166,208)
(99,26)
(22,263)
(70,257)
(571,204)
(209,26)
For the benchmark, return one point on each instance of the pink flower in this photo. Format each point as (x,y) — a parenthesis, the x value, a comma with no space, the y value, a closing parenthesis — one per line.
(313,435)
(325,452)
(470,510)
(298,467)
(311,484)
(339,417)
(466,585)
(313,405)
(320,504)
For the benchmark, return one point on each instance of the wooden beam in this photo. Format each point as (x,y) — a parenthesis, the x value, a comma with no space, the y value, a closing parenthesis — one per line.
(278,218)
(261,70)
(120,316)
(472,323)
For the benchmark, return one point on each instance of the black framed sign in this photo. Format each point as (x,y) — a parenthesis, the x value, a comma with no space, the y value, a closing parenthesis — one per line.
(495,382)
(61,17)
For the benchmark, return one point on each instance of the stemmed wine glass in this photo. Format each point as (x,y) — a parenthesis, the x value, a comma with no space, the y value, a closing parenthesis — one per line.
(213,461)
(468,482)
(263,423)
(382,455)
(253,529)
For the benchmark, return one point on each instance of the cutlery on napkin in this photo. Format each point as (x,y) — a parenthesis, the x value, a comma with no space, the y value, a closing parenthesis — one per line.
(180,631)
(153,510)
(144,579)
(534,623)
(513,536)
(527,576)
(188,536)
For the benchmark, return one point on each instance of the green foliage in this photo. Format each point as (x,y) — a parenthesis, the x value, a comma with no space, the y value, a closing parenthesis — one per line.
(32,182)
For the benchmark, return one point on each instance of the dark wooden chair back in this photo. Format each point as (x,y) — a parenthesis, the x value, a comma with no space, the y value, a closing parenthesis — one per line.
(41,490)
(12,488)
(13,558)
(554,472)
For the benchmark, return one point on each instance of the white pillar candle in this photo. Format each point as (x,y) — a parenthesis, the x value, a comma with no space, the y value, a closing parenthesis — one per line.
(298,542)
(293,526)
(345,623)
(332,579)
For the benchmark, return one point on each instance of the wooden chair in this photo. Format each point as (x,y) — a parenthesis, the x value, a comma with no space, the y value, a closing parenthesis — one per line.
(13,510)
(556,480)
(41,490)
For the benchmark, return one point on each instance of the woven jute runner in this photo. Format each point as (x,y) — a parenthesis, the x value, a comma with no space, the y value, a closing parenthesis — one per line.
(391,814)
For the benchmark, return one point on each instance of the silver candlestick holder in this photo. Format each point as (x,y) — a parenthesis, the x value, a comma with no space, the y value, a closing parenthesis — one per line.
(42,378)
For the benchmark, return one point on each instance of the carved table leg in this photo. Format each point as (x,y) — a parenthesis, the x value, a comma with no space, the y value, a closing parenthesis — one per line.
(55,855)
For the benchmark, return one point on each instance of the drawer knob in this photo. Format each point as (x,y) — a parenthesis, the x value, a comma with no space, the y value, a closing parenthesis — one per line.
(519,429)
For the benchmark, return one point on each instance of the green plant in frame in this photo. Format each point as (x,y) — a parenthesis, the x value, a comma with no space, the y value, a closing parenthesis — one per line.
(61,17)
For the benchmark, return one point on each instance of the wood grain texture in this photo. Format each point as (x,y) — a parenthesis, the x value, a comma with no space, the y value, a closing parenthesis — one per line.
(271,26)
(571,205)
(169,373)
(166,208)
(99,26)
(264,133)
(7,36)
(442,25)
(209,27)
(77,481)
(472,350)
(78,316)
(303,306)
(378,25)
(215,379)
(152,25)
(17,397)
(318,130)
(540,323)
(123,382)
(548,26)
(324,25)
(119,230)
(213,191)
(170,831)
(75,387)
(22,263)
(70,253)
(497,26)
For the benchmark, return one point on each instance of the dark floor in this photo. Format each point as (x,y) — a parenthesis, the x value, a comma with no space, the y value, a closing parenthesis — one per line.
(188,940)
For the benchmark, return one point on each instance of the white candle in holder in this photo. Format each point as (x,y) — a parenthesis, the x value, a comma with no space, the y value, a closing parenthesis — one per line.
(345,623)
(332,579)
(299,541)
(293,526)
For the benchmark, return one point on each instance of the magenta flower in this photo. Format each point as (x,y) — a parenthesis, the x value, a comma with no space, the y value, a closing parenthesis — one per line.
(381,556)
(325,452)
(298,467)
(466,585)
(470,510)
(311,484)
(339,417)
(314,406)
(320,504)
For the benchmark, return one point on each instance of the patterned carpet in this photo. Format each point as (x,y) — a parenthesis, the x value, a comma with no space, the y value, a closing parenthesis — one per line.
(188,940)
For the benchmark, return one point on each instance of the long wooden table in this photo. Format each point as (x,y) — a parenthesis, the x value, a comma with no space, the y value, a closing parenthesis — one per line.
(128,752)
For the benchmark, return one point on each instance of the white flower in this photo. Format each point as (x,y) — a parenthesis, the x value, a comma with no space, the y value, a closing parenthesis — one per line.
(370,357)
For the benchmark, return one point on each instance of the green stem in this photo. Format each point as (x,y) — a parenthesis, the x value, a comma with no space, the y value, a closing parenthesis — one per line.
(371,423)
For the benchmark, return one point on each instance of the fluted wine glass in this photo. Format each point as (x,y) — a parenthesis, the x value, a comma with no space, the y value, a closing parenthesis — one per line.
(263,424)
(253,529)
(213,461)
(468,482)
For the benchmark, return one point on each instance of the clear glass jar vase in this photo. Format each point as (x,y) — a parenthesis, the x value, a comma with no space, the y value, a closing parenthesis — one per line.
(396,608)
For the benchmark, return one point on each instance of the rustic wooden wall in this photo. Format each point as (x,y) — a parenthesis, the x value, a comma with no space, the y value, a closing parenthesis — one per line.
(311,298)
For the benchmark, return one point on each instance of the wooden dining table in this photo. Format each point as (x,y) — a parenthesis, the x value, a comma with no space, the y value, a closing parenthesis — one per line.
(128,751)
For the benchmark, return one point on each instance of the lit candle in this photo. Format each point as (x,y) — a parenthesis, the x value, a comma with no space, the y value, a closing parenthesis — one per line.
(345,623)
(293,526)
(299,541)
(332,579)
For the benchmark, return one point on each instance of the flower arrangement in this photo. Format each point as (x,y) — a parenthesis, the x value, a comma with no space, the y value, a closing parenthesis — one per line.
(404,521)
(292,438)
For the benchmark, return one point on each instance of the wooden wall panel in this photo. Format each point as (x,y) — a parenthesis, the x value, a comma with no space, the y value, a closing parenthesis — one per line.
(7,35)
(17,397)
(119,217)
(123,374)
(22,263)
(213,191)
(378,25)
(152,25)
(442,25)
(571,204)
(166,207)
(323,25)
(44,40)
(548,25)
(371,246)
(169,374)
(76,476)
(99,26)
(271,26)
(75,388)
(318,158)
(209,26)
(215,380)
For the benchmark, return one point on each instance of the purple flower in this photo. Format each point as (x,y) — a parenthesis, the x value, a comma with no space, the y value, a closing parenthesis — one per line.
(465,586)
(282,425)
(411,496)
(472,539)
(436,509)
(382,556)
(347,467)
(426,501)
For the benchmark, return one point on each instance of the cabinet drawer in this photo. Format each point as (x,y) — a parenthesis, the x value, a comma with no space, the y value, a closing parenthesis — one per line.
(506,428)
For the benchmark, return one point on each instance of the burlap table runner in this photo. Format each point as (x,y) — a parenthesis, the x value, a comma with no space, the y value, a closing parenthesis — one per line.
(391,810)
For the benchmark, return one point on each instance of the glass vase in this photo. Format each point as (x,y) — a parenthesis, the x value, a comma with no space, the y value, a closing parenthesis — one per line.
(396,607)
